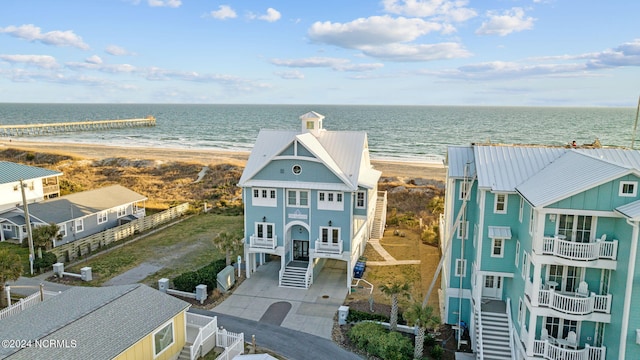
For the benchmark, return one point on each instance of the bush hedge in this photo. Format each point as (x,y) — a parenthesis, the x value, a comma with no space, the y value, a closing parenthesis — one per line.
(377,341)
(44,263)
(205,275)
(357,316)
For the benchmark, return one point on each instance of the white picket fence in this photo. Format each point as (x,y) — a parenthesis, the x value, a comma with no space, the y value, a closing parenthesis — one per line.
(233,344)
(21,305)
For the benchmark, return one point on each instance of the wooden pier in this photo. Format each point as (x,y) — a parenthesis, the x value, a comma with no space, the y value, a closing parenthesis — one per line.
(54,128)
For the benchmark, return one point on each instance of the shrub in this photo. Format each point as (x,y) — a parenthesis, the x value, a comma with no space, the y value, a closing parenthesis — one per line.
(437,352)
(429,340)
(47,260)
(206,275)
(357,316)
(377,341)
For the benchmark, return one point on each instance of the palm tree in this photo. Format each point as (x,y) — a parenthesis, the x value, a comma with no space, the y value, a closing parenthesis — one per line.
(423,318)
(228,243)
(10,270)
(393,290)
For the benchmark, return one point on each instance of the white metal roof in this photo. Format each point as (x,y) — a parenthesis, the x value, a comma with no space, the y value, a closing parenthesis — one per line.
(345,153)
(631,210)
(499,232)
(457,158)
(568,175)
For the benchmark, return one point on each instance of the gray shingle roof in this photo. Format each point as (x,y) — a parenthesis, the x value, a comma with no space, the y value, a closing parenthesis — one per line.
(103,322)
(11,172)
(84,203)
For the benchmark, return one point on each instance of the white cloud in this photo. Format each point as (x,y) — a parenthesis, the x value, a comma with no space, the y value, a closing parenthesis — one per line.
(372,31)
(420,52)
(627,54)
(503,24)
(455,11)
(116,50)
(95,59)
(31,32)
(41,61)
(165,3)
(224,12)
(290,75)
(336,64)
(272,15)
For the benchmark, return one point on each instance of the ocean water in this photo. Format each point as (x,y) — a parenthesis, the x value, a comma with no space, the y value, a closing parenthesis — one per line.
(412,133)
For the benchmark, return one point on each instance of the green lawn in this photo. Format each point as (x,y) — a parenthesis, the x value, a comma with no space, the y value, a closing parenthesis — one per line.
(23,252)
(183,247)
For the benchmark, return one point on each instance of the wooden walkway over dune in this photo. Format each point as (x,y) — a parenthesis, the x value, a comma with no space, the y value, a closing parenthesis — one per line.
(54,128)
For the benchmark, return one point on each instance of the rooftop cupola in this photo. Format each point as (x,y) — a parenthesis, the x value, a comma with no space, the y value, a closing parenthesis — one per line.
(312,122)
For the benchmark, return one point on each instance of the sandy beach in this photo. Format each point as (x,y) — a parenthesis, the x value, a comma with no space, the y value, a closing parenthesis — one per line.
(399,169)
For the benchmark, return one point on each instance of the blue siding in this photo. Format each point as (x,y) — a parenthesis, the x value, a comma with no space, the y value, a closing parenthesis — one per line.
(603,197)
(312,171)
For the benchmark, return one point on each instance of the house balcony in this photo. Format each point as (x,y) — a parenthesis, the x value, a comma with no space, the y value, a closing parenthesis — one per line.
(547,350)
(569,303)
(328,247)
(598,250)
(256,242)
(51,189)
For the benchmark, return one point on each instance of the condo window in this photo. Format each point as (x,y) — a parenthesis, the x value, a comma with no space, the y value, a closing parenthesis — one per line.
(497,246)
(628,188)
(63,230)
(299,198)
(79,225)
(163,338)
(461,267)
(103,217)
(463,190)
(264,230)
(122,211)
(500,206)
(521,209)
(517,253)
(330,201)
(310,125)
(360,200)
(463,229)
(330,235)
(264,197)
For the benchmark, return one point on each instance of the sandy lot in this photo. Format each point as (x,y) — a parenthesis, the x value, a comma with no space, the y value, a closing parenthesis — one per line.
(206,157)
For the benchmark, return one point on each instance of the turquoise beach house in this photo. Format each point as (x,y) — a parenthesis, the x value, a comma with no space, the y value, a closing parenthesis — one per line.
(310,195)
(541,251)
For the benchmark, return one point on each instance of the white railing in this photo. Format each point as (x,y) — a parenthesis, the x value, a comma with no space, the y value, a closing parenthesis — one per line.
(207,326)
(479,343)
(21,305)
(580,251)
(511,340)
(383,216)
(575,304)
(543,348)
(263,242)
(308,278)
(233,344)
(329,247)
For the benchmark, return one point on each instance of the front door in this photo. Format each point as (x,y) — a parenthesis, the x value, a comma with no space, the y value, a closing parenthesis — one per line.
(300,250)
(492,287)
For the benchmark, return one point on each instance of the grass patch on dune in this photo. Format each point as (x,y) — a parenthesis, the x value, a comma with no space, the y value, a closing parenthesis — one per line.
(185,246)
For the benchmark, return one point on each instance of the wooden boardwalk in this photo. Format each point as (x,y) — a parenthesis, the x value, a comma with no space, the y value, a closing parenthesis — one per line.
(54,128)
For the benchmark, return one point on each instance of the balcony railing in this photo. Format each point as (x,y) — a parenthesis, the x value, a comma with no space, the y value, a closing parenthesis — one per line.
(50,189)
(544,349)
(262,242)
(573,303)
(580,251)
(329,247)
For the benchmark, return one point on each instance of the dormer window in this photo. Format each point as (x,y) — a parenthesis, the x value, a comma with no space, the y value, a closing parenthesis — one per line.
(310,125)
(628,188)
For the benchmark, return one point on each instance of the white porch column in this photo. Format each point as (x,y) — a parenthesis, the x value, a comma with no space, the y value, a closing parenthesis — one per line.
(537,281)
(531,333)
(349,276)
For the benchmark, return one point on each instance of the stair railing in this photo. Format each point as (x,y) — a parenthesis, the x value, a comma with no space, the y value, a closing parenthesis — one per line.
(512,345)
(479,334)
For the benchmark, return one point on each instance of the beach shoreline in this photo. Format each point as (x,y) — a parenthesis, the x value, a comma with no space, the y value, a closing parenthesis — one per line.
(389,168)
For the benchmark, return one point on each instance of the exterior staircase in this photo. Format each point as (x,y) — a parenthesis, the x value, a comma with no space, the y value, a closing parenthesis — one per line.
(494,335)
(293,277)
(185,354)
(379,220)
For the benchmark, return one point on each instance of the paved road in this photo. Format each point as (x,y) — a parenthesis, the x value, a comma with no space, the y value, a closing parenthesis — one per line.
(291,344)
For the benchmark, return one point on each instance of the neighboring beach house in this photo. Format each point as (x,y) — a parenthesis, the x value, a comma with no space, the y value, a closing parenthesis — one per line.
(541,251)
(113,322)
(89,212)
(309,195)
(39,184)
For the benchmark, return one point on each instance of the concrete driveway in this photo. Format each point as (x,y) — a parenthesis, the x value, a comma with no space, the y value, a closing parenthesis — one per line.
(312,311)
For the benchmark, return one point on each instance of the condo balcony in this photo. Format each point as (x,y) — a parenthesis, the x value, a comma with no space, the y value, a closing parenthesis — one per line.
(561,349)
(256,242)
(580,304)
(323,247)
(600,249)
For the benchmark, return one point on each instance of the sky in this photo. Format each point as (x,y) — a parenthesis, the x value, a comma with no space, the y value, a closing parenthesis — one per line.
(353,52)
